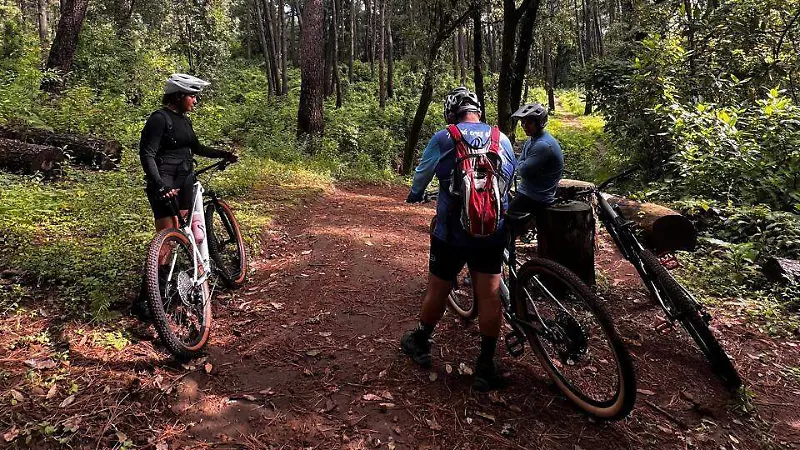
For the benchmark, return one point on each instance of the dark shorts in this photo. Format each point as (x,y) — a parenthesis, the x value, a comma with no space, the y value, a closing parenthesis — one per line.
(174,180)
(447,260)
(524,204)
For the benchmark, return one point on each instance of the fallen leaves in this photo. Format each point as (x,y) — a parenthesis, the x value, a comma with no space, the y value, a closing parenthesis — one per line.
(67,401)
(645,392)
(486,416)
(40,364)
(463,369)
(208,367)
(11,434)
(433,425)
(313,352)
(16,397)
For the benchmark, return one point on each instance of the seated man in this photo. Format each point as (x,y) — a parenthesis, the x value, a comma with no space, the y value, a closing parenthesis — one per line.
(452,246)
(539,166)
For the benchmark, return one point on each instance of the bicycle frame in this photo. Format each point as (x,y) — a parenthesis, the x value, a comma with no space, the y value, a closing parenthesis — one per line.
(621,232)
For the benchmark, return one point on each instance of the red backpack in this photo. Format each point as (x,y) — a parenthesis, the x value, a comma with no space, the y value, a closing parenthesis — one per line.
(478,183)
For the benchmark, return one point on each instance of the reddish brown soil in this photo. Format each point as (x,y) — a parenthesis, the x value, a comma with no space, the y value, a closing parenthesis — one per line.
(295,351)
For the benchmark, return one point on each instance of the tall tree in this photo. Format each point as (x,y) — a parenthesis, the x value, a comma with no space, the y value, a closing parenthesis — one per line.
(477,59)
(65,43)
(462,58)
(284,75)
(381,53)
(390,71)
(352,40)
(337,82)
(309,113)
(262,37)
(444,25)
(42,20)
(517,26)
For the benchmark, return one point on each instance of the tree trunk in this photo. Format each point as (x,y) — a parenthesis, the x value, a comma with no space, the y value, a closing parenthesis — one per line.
(337,82)
(366,31)
(310,114)
(419,118)
(21,157)
(352,40)
(390,73)
(284,75)
(566,235)
(455,57)
(295,38)
(523,52)
(548,74)
(66,41)
(262,37)
(490,42)
(327,49)
(504,111)
(272,42)
(381,52)
(462,57)
(42,16)
(477,68)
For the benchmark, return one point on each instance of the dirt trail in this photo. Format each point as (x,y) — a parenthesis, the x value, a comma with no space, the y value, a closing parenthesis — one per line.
(306,355)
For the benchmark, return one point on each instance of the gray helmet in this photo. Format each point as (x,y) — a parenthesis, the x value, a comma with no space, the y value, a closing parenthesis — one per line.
(533,111)
(458,101)
(180,82)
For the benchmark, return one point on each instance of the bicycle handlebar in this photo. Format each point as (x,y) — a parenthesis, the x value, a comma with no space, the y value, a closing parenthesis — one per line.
(221,165)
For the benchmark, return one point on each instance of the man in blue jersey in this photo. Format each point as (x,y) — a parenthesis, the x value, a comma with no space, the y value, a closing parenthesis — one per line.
(452,247)
(540,165)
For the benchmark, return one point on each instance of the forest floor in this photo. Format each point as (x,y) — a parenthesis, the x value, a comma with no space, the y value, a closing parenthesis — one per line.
(297,351)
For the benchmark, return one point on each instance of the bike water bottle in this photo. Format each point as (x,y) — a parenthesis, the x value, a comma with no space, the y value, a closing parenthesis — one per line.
(198,228)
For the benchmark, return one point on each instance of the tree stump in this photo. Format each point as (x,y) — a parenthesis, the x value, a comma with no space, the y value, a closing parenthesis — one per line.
(17,156)
(566,235)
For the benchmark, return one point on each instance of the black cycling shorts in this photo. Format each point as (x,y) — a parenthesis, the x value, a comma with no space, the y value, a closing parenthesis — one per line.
(447,260)
(174,180)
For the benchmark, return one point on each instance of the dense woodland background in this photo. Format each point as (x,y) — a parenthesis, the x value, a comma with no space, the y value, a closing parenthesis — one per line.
(702,95)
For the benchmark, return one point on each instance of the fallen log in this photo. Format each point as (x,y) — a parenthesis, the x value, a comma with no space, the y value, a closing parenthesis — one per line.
(664,229)
(782,270)
(21,157)
(83,150)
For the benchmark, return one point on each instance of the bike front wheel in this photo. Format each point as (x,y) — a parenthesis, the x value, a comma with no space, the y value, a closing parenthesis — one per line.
(225,244)
(578,346)
(461,299)
(688,314)
(181,309)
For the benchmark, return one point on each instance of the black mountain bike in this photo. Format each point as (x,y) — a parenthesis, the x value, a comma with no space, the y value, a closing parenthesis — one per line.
(179,265)
(676,301)
(567,327)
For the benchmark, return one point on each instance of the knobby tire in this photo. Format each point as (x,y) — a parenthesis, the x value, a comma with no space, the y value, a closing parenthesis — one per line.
(233,274)
(155,302)
(622,402)
(692,322)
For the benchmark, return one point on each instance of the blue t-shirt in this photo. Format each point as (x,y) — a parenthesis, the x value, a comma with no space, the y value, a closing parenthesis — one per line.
(540,166)
(439,158)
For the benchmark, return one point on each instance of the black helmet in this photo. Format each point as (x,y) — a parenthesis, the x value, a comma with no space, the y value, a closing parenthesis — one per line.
(458,101)
(533,111)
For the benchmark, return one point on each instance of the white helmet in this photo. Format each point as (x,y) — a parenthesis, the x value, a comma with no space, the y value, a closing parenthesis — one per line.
(458,101)
(180,82)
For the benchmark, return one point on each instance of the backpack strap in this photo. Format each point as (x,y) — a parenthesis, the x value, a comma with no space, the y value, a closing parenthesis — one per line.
(494,140)
(168,122)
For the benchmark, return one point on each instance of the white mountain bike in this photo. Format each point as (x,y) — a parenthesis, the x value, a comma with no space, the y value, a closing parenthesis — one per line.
(182,261)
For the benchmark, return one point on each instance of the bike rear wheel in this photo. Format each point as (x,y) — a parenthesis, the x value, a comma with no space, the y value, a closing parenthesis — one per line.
(580,349)
(225,244)
(691,320)
(181,311)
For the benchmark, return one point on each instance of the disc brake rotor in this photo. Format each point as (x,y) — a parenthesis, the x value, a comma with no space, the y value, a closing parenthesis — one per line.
(568,337)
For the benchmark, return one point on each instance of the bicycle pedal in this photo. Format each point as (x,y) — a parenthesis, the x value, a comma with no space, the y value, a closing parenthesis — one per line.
(664,326)
(515,344)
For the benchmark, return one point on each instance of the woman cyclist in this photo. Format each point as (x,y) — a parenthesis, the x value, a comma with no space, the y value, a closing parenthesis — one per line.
(166,150)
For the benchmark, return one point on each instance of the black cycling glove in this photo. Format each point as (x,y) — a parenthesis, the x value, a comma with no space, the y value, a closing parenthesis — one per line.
(412,198)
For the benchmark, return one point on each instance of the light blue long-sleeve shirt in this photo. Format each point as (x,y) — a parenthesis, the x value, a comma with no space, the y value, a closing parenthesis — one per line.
(439,160)
(540,167)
